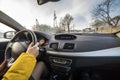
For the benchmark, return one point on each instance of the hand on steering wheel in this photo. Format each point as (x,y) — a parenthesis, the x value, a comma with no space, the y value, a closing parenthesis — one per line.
(33,49)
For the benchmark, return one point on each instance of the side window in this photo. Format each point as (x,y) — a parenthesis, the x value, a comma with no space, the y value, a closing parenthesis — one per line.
(3,29)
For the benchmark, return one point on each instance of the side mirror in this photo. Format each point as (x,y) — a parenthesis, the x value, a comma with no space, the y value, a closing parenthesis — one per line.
(9,34)
(40,2)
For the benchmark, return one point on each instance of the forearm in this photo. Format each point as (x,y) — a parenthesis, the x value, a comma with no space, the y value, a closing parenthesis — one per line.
(21,68)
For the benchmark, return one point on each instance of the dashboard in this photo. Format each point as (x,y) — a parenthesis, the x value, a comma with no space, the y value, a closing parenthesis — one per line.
(66,51)
(81,45)
(82,42)
(71,51)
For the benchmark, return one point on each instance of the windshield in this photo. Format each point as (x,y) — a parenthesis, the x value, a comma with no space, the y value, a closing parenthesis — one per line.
(73,16)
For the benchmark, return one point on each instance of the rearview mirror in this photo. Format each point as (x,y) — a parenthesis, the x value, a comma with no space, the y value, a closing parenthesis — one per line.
(40,2)
(9,34)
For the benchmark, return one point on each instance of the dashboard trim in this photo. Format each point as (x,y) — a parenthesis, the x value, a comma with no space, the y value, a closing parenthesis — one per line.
(111,52)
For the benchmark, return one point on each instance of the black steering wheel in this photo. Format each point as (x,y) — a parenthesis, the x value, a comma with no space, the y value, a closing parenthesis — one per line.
(19,44)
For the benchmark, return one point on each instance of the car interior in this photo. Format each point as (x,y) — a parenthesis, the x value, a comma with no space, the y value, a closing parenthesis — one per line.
(68,56)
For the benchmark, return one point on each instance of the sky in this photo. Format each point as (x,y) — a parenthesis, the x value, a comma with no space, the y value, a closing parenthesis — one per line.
(27,11)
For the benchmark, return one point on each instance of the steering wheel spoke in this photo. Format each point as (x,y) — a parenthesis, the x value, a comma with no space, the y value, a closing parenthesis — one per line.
(10,62)
(27,42)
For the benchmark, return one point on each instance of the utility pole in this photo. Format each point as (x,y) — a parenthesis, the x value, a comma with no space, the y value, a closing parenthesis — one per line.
(54,20)
(37,24)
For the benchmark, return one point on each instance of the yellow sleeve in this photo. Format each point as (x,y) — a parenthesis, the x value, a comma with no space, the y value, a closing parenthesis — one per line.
(22,68)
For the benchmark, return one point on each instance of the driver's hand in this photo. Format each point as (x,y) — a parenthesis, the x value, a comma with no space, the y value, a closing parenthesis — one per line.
(33,49)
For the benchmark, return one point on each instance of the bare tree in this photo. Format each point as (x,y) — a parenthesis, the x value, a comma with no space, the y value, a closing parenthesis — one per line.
(62,24)
(67,21)
(103,13)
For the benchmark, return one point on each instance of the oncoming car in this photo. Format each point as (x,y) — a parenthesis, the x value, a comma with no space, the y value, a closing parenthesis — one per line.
(69,53)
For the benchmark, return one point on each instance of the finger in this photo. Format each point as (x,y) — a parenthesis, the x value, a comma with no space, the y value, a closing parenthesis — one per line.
(37,48)
(30,45)
(37,44)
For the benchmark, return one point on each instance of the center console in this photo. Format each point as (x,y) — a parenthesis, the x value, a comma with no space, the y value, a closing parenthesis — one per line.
(61,67)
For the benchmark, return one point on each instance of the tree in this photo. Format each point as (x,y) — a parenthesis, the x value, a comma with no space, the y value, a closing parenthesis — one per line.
(67,21)
(62,24)
(103,13)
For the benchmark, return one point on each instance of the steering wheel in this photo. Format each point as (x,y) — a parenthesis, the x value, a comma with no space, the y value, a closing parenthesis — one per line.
(17,45)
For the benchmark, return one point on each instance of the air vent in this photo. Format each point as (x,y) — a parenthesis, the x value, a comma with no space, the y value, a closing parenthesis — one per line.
(69,46)
(54,46)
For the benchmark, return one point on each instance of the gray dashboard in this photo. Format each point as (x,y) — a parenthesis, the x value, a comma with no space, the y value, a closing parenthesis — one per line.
(81,50)
(82,42)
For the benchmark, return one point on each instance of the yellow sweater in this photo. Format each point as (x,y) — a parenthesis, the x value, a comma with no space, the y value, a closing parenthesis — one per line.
(22,68)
